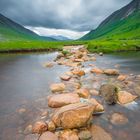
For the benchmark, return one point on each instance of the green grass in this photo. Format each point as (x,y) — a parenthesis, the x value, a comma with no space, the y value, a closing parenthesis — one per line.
(108,46)
(32,44)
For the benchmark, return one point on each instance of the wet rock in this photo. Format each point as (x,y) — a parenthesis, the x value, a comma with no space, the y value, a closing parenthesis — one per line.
(78,60)
(22,111)
(94,92)
(101,53)
(28,129)
(111,72)
(98,106)
(84,135)
(39,127)
(118,119)
(84,93)
(125,97)
(73,115)
(68,135)
(48,136)
(78,72)
(51,126)
(122,77)
(97,71)
(99,133)
(60,100)
(93,59)
(109,93)
(48,65)
(65,77)
(57,87)
(137,89)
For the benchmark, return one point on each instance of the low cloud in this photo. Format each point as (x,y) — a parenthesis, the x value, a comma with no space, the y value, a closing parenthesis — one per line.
(77,15)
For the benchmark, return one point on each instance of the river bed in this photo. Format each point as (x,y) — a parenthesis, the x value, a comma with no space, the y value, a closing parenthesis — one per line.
(24,82)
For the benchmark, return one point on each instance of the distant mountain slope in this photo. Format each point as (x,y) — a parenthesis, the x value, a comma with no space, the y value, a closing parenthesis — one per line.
(60,38)
(11,30)
(122,24)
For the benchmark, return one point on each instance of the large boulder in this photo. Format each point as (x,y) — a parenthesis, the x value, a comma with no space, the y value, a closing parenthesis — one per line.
(111,72)
(58,87)
(73,115)
(48,136)
(109,93)
(99,133)
(60,100)
(125,97)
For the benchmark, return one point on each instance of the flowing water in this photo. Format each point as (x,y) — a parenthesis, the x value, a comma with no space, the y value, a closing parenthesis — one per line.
(24,84)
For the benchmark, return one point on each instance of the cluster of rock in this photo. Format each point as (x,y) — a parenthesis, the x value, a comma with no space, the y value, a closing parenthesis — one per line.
(73,111)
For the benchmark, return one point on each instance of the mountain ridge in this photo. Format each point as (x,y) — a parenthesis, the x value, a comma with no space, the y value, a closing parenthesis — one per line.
(114,20)
(9,29)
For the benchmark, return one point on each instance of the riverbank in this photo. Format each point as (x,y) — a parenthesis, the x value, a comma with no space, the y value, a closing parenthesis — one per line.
(106,46)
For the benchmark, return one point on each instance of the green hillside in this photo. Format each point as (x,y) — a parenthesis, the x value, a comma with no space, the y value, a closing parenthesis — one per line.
(9,30)
(122,24)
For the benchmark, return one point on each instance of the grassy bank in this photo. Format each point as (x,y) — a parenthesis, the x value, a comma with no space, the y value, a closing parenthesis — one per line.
(33,45)
(105,46)
(108,46)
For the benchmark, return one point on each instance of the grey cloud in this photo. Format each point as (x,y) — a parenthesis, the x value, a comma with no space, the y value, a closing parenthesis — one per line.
(79,15)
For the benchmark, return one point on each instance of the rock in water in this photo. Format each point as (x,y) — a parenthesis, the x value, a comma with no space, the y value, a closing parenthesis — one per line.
(96,70)
(68,135)
(85,135)
(99,133)
(57,87)
(125,97)
(48,136)
(78,72)
(39,127)
(111,72)
(51,126)
(122,77)
(65,77)
(118,119)
(109,93)
(84,93)
(60,100)
(73,115)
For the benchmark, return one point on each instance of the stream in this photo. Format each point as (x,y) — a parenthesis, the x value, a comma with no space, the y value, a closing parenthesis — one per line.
(24,83)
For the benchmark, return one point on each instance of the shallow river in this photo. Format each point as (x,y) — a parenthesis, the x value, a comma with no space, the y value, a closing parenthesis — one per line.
(24,82)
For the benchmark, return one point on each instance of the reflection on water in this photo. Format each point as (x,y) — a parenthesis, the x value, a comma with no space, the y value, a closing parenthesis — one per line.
(23,82)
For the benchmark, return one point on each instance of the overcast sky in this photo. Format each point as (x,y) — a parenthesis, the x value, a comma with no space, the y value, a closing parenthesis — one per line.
(72,18)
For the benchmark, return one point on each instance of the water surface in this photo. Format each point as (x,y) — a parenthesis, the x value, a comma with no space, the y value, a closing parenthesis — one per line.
(24,81)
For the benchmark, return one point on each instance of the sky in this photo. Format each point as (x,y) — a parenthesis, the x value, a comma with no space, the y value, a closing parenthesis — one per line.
(70,18)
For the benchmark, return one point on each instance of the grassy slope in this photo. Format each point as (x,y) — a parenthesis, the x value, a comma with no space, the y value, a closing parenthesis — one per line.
(128,28)
(119,36)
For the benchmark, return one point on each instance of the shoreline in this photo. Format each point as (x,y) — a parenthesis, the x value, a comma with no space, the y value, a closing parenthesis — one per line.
(53,50)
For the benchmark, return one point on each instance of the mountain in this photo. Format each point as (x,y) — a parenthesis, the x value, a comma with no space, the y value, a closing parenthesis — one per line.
(60,38)
(122,24)
(10,30)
